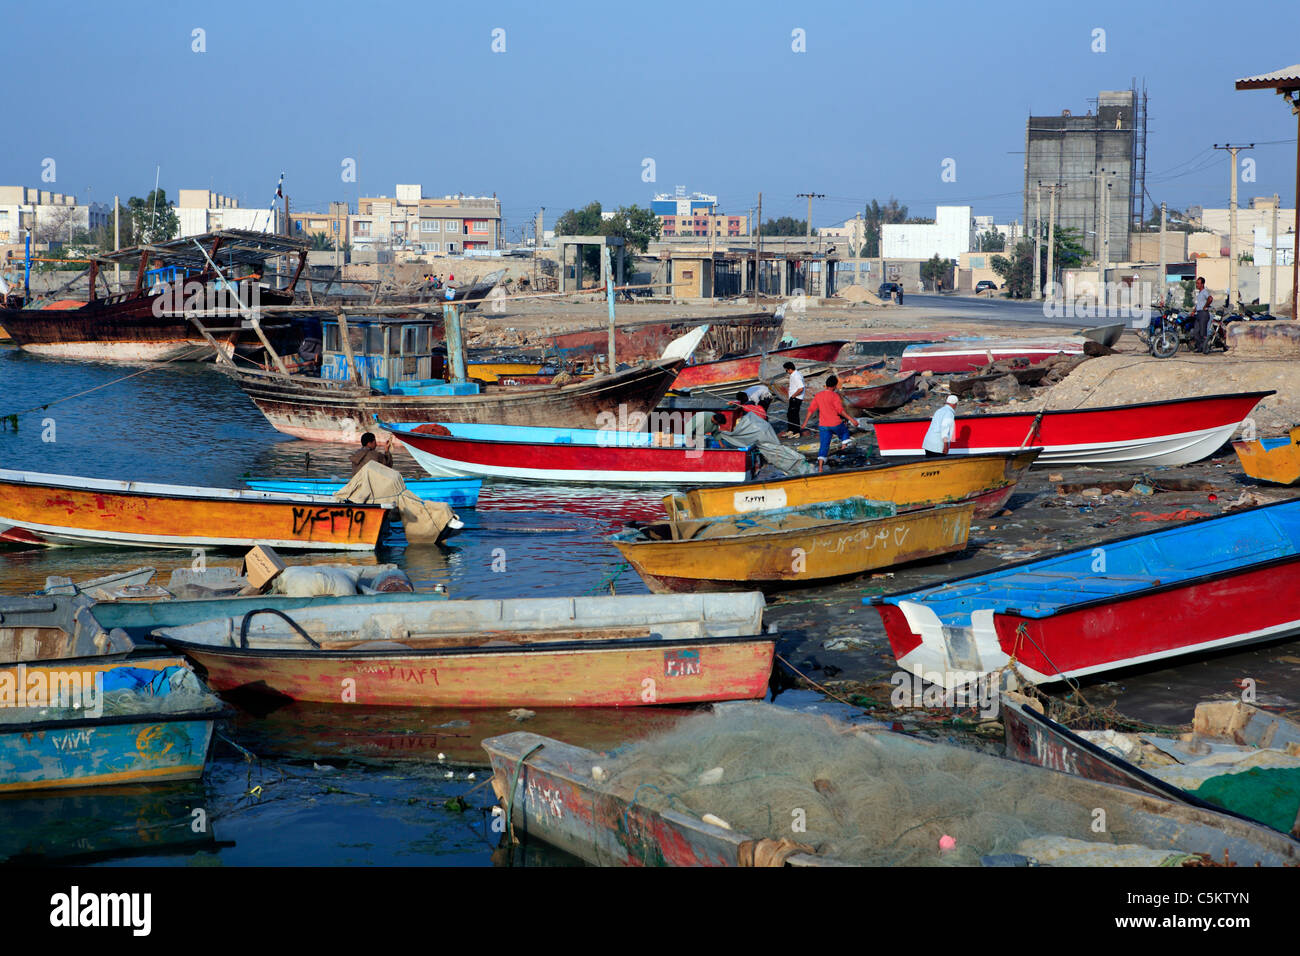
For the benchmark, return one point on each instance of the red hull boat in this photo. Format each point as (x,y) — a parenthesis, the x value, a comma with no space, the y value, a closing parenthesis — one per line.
(1207,585)
(748,370)
(1175,432)
(944,358)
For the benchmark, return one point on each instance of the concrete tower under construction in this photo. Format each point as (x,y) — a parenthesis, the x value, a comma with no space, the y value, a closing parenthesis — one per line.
(1098,162)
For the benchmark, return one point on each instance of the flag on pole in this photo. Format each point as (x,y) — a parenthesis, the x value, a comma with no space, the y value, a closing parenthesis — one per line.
(279,194)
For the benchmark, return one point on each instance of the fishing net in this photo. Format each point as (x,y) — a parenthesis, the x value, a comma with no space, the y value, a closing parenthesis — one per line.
(124,691)
(866,798)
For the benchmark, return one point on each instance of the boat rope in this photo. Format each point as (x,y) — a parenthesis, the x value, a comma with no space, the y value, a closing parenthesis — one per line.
(1023,631)
(510,795)
(817,686)
(609,580)
(40,408)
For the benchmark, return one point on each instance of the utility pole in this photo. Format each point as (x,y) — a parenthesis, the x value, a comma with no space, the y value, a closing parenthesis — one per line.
(1051,238)
(810,197)
(1161,277)
(758,248)
(117,240)
(1232,221)
(1038,236)
(1272,262)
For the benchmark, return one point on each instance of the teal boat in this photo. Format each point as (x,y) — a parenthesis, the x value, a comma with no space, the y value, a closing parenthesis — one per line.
(456,492)
(94,722)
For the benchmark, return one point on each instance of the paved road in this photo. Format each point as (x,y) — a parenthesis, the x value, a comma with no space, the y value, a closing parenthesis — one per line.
(998,310)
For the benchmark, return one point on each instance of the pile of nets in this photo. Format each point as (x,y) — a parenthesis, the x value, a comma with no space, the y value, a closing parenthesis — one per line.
(855,796)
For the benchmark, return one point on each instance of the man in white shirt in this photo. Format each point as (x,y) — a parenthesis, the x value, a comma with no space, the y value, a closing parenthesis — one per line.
(757,393)
(939,436)
(794,393)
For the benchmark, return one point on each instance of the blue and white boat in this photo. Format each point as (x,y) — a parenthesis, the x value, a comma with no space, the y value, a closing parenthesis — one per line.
(456,492)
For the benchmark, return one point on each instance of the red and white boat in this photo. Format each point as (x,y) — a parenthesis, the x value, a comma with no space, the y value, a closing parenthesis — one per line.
(1175,432)
(964,355)
(747,370)
(568,455)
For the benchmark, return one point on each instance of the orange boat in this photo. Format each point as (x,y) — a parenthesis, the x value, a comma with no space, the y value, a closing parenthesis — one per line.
(522,652)
(59,510)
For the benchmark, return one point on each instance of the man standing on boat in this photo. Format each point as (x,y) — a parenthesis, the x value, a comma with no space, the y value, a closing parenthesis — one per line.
(938,437)
(794,399)
(369,451)
(828,406)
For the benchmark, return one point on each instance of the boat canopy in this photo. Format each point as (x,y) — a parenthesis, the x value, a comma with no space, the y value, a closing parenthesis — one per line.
(237,247)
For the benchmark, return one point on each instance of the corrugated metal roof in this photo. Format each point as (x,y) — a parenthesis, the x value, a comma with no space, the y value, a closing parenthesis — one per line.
(1286,78)
(239,246)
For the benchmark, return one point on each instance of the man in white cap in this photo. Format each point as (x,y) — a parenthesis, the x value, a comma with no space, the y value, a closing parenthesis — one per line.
(939,436)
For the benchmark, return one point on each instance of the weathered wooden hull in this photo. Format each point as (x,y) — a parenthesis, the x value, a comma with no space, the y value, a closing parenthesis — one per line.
(1273,460)
(150,747)
(800,556)
(129,331)
(1037,740)
(888,395)
(55,627)
(556,799)
(562,674)
(553,793)
(749,369)
(987,481)
(324,410)
(62,510)
(646,341)
(1175,432)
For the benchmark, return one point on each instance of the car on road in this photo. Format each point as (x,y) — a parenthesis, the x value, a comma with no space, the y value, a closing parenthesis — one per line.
(985,285)
(888,290)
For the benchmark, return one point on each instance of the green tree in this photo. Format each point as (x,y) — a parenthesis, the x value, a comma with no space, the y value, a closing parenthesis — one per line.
(580,222)
(785,226)
(637,226)
(937,270)
(153,218)
(876,216)
(1017,270)
(992,241)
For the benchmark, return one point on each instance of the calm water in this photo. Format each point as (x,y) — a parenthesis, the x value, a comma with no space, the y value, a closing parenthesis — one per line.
(328,786)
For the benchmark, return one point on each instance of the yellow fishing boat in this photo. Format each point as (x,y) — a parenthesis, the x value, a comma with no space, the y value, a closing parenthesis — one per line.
(58,510)
(789,547)
(987,481)
(492,372)
(1275,460)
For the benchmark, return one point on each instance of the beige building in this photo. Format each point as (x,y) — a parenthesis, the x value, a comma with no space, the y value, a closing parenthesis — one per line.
(52,216)
(202,211)
(1258,214)
(412,222)
(1145,246)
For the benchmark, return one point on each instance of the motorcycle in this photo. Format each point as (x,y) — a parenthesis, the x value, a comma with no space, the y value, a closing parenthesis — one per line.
(1170,330)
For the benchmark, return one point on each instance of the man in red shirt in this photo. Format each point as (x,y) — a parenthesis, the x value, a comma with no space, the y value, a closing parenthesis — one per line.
(828,406)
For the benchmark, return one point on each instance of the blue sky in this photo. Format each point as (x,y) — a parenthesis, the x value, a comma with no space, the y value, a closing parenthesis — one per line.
(584,92)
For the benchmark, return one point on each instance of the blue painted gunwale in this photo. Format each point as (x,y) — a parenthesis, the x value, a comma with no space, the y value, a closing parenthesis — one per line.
(457,492)
(1143,563)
